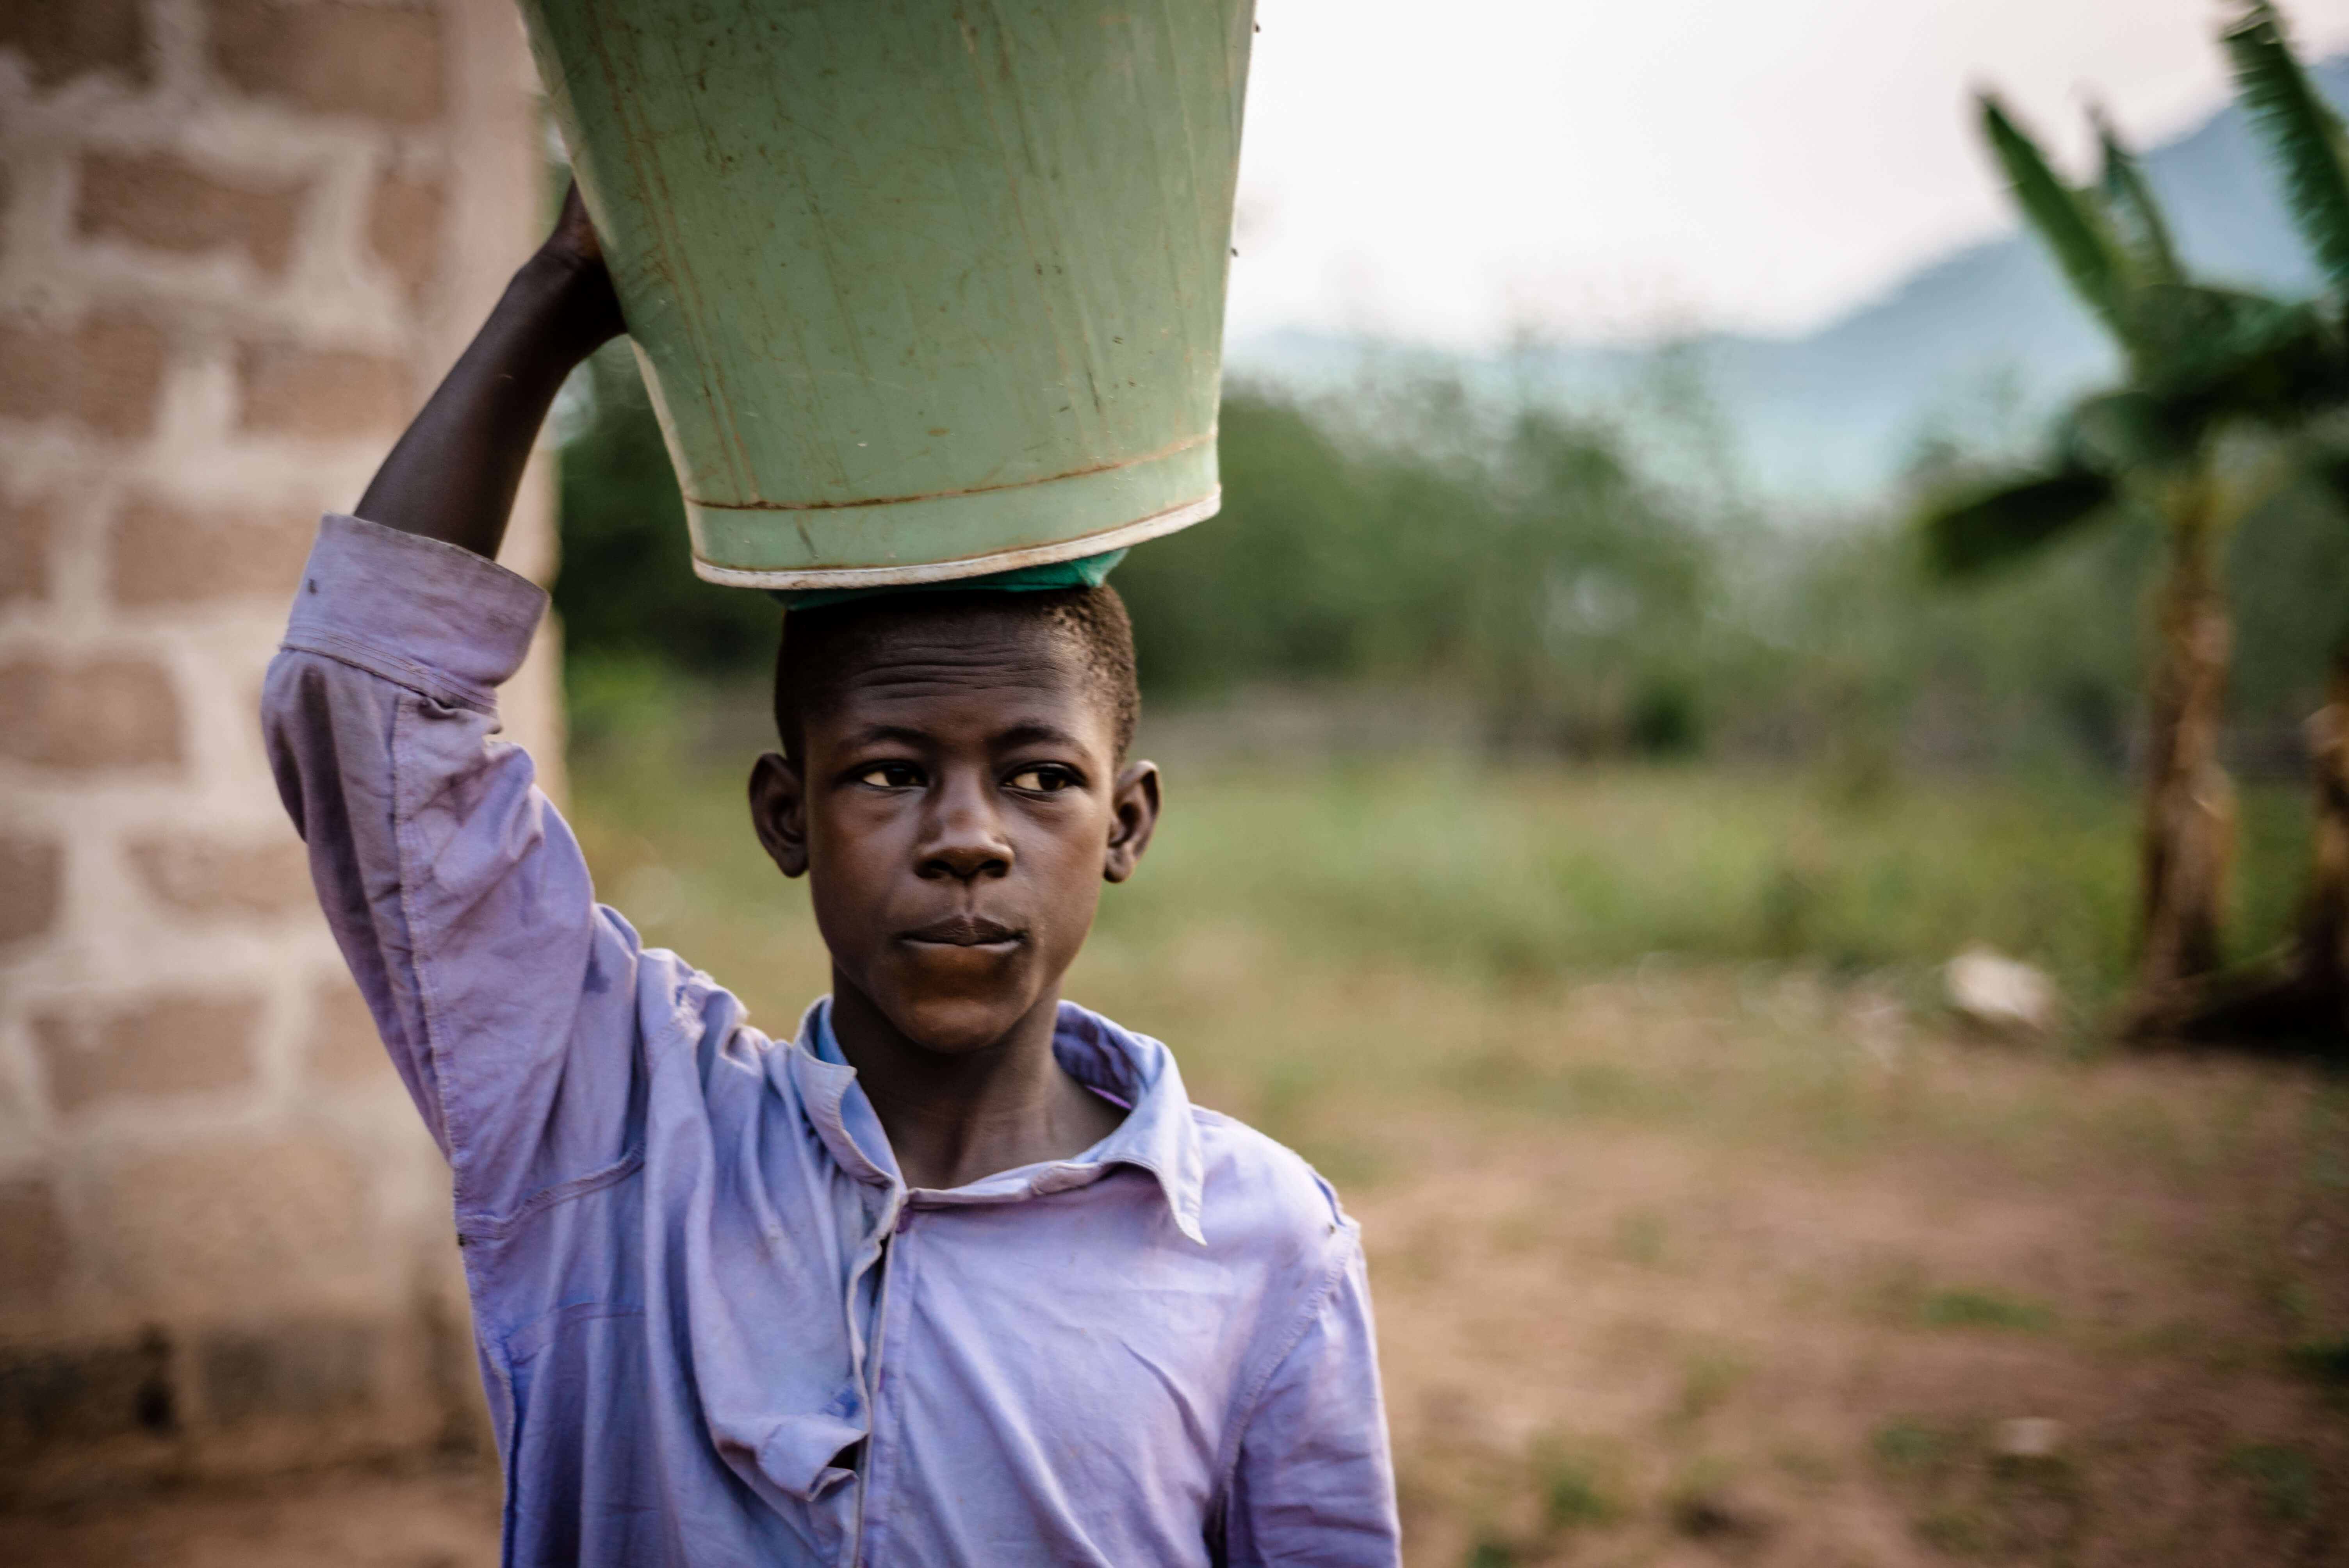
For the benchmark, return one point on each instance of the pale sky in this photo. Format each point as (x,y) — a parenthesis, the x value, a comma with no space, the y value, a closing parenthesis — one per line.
(1449,172)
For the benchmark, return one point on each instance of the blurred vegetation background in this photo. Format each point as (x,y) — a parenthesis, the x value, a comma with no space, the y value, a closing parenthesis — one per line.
(1823,752)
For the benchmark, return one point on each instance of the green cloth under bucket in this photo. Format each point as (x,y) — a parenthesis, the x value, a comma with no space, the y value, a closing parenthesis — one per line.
(1088,573)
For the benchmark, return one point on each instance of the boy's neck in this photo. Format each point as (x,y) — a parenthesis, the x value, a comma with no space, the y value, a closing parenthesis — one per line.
(956,1118)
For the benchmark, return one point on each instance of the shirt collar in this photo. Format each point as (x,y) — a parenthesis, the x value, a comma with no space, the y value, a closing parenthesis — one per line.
(1158,1135)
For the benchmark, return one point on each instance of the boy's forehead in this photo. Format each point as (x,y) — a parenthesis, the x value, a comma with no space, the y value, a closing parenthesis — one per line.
(987,671)
(962,650)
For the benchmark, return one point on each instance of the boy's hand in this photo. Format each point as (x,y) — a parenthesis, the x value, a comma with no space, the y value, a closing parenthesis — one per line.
(574,253)
(453,475)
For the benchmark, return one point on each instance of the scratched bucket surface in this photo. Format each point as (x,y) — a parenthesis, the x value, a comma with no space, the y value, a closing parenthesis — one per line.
(920,289)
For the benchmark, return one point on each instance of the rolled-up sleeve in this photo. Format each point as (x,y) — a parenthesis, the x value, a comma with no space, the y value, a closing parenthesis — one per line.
(457,893)
(1314,1482)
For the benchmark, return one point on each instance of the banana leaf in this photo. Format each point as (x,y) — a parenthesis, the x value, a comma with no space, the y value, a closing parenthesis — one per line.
(2067,222)
(2216,353)
(1999,524)
(2300,130)
(2135,216)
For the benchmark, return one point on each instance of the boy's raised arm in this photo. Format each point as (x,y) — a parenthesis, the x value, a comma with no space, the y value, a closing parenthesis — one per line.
(458,894)
(453,474)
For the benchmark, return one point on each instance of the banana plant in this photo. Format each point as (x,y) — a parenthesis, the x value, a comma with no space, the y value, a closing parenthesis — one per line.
(2184,440)
(2306,143)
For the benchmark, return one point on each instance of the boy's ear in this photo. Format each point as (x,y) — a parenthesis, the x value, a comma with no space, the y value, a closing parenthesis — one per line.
(1136,805)
(779,812)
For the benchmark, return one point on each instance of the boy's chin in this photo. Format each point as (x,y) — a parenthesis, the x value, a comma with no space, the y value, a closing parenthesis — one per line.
(953,1025)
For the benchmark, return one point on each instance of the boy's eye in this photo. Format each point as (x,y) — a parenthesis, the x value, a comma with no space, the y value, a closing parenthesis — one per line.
(1043,779)
(891,776)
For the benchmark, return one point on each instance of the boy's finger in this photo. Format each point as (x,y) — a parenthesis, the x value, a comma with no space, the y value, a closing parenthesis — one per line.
(573,224)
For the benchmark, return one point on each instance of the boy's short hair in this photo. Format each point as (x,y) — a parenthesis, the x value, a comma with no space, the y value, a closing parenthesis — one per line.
(821,644)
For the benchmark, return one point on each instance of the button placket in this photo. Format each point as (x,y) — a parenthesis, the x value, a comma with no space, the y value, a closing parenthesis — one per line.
(880,1451)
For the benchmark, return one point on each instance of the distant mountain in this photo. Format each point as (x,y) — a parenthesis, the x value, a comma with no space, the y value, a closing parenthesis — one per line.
(1833,415)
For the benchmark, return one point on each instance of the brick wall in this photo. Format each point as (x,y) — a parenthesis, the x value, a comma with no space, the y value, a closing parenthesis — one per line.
(238,240)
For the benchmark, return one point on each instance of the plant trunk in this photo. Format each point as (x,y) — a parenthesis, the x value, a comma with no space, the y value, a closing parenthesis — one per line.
(2303,1002)
(2189,808)
(2321,949)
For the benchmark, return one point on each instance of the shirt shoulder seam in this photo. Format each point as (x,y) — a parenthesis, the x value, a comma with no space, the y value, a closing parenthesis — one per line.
(1314,1301)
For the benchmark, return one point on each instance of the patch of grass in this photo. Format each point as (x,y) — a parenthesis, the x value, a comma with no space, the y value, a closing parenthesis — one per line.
(1499,869)
(2184,1337)
(1640,1238)
(1698,1505)
(1904,1446)
(1969,1502)
(1964,1308)
(2328,1144)
(1956,1529)
(2283,1476)
(1490,1552)
(1806,1463)
(2323,1361)
(1706,1382)
(1577,1494)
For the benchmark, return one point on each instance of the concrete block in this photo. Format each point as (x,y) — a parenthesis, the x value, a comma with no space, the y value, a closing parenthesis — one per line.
(25,530)
(322,393)
(106,373)
(343,1046)
(170,205)
(381,61)
(118,712)
(404,226)
(286,1369)
(31,882)
(34,1247)
(51,1396)
(166,554)
(202,876)
(272,1220)
(62,39)
(176,1043)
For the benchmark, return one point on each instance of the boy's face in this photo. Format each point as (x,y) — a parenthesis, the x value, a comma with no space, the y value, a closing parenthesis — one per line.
(957,804)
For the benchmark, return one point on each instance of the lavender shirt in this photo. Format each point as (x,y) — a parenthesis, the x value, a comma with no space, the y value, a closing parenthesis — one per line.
(715,1325)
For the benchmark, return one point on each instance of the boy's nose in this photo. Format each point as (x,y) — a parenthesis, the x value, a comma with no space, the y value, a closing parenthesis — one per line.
(966,862)
(966,841)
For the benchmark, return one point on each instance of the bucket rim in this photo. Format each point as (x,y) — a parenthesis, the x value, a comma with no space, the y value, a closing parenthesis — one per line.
(1155,526)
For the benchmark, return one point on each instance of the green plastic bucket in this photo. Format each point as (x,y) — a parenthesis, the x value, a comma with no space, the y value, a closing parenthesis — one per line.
(921,289)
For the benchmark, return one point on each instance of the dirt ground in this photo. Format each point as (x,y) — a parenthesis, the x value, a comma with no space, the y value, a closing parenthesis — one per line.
(1719,1271)
(365,1520)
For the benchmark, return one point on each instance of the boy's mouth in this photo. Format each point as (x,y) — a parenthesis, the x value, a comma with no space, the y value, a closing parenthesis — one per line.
(964,930)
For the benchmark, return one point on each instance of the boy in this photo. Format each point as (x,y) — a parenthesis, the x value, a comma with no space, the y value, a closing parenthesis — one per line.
(959,1275)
